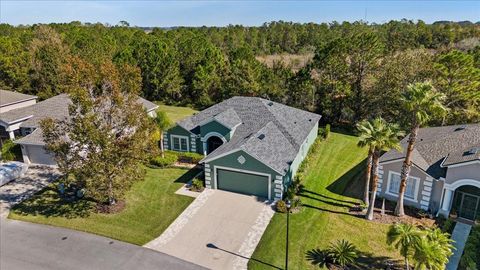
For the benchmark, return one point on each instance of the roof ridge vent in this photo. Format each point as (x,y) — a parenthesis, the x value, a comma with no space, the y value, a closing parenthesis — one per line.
(460,128)
(473,151)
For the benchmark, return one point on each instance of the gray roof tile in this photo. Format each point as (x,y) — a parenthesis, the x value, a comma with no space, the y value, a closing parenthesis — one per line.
(55,107)
(10,97)
(285,129)
(435,144)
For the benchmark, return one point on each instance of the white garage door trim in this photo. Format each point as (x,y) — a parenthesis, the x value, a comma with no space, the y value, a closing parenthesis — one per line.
(244,171)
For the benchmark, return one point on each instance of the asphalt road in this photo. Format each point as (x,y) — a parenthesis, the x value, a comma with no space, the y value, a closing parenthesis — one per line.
(34,246)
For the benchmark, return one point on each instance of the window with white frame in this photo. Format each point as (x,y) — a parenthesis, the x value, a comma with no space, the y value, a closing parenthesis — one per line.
(179,143)
(394,185)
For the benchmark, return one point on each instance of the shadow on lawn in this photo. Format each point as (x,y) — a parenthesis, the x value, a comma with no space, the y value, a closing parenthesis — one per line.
(349,179)
(188,175)
(365,261)
(47,203)
(210,245)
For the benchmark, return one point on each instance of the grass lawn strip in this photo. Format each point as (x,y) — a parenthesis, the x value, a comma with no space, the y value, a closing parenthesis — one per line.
(151,206)
(324,217)
(176,113)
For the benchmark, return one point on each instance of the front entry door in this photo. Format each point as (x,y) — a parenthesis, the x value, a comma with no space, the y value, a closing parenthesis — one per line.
(468,208)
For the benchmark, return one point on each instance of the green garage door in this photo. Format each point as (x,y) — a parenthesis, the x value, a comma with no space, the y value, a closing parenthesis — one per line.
(245,183)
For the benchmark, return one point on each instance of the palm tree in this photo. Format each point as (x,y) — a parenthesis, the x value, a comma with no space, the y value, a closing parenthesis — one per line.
(405,238)
(342,253)
(366,140)
(163,123)
(421,102)
(433,250)
(384,136)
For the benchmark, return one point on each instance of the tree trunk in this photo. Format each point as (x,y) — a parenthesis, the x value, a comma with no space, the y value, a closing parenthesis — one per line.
(111,199)
(407,266)
(162,150)
(368,174)
(407,165)
(371,206)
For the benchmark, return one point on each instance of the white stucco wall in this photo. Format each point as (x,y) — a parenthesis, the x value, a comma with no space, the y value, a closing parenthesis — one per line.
(36,154)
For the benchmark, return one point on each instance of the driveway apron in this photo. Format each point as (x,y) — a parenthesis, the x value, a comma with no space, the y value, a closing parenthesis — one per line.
(219,230)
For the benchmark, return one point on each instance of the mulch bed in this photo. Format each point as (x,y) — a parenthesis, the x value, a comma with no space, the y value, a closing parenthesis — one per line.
(411,214)
(110,209)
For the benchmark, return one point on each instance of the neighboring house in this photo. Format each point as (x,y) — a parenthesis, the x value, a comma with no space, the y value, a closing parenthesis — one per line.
(251,145)
(25,122)
(445,171)
(9,101)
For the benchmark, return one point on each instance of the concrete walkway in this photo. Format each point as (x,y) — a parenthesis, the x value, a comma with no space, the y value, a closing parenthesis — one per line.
(218,230)
(459,235)
(33,246)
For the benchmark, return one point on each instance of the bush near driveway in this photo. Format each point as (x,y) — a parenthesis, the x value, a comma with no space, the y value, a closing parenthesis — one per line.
(471,254)
(151,206)
(325,217)
(168,160)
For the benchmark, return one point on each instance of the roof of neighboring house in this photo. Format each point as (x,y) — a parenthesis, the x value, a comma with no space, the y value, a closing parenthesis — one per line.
(269,131)
(35,138)
(438,147)
(10,97)
(55,107)
(148,105)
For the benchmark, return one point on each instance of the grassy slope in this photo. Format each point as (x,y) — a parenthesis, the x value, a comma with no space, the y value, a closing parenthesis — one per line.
(176,113)
(325,215)
(151,207)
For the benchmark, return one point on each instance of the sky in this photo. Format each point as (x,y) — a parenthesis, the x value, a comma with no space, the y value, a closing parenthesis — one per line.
(221,13)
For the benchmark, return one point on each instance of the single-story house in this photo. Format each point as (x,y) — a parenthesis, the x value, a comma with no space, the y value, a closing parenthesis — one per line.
(24,123)
(445,172)
(251,145)
(10,100)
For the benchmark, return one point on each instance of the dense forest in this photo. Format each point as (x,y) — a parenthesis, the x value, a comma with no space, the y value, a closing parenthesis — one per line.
(357,70)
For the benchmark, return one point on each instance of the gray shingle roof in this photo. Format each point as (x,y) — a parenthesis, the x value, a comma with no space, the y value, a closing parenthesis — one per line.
(10,97)
(36,138)
(284,128)
(55,107)
(435,144)
(148,105)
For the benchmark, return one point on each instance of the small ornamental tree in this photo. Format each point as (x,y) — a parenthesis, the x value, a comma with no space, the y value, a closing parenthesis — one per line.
(163,123)
(101,144)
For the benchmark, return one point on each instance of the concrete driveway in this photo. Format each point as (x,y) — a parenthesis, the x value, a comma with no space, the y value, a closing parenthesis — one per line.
(35,179)
(33,246)
(219,230)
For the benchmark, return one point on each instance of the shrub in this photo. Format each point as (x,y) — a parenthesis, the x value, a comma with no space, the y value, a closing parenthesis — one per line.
(10,151)
(448,225)
(197,185)
(168,160)
(471,257)
(188,157)
(281,206)
(341,253)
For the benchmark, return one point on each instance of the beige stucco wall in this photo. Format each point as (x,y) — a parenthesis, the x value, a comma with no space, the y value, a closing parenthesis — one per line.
(427,196)
(470,171)
(17,105)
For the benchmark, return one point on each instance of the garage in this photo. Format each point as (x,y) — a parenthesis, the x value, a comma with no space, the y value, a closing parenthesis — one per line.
(37,155)
(243,182)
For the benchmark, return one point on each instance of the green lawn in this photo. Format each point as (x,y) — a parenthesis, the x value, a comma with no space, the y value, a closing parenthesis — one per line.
(324,217)
(151,206)
(176,113)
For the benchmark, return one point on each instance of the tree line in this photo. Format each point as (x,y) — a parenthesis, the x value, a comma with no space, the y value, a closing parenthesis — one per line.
(358,71)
